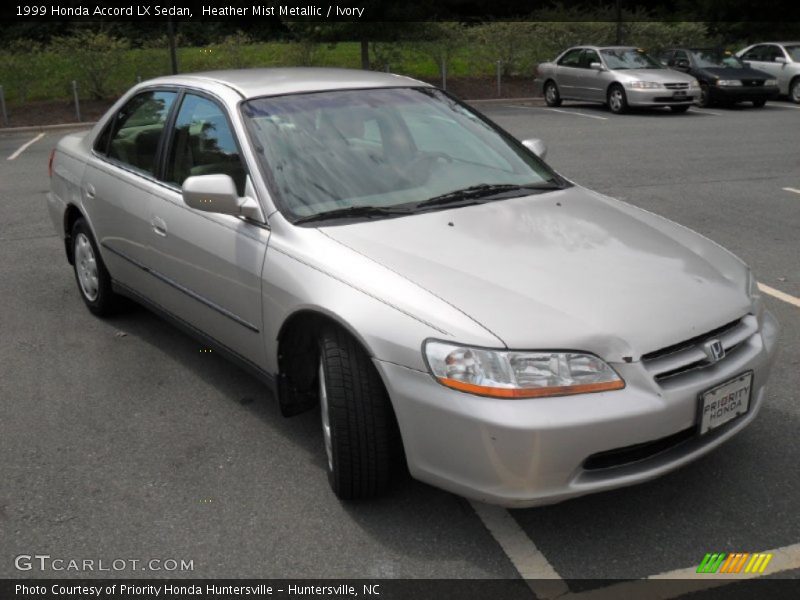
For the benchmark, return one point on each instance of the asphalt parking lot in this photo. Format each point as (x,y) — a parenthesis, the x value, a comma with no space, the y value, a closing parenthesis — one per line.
(120,439)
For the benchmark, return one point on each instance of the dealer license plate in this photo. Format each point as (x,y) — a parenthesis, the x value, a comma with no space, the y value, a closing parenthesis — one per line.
(679,94)
(725,402)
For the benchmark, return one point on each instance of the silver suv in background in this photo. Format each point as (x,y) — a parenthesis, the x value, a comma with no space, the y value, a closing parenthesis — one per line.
(779,59)
(617,76)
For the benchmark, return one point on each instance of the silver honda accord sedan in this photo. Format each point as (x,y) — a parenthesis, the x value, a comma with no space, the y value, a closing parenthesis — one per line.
(376,250)
(618,76)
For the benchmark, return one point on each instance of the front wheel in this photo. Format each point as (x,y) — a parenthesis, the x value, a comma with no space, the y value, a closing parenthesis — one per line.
(679,109)
(616,100)
(794,90)
(705,96)
(94,282)
(551,95)
(362,441)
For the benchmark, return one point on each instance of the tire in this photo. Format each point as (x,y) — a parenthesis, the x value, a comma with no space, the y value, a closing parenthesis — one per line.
(551,95)
(91,275)
(679,109)
(362,440)
(705,96)
(616,99)
(761,103)
(794,90)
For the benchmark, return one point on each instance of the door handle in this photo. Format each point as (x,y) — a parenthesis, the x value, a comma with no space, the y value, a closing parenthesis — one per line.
(89,191)
(159,226)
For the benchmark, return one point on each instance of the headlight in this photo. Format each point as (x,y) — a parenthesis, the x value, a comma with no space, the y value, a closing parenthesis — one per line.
(728,82)
(771,82)
(511,374)
(644,85)
(752,286)
(693,85)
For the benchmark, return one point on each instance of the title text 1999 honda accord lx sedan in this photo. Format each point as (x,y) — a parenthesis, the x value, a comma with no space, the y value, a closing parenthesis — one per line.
(369,245)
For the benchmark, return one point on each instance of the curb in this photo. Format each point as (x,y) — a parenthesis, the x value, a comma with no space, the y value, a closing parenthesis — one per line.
(537,99)
(89,124)
(29,128)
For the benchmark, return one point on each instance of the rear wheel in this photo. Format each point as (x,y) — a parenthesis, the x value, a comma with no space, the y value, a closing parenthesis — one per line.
(682,108)
(760,103)
(362,441)
(616,99)
(551,94)
(94,282)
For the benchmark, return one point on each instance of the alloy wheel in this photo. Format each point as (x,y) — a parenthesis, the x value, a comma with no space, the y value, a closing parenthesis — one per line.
(86,266)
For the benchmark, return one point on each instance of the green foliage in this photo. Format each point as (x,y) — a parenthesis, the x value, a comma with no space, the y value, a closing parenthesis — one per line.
(93,58)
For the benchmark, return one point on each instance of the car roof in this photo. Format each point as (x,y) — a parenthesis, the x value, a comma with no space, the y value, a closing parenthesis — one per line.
(251,83)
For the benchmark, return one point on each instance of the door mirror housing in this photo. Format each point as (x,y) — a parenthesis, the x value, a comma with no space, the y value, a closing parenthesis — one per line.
(682,64)
(536,146)
(217,194)
(780,59)
(597,66)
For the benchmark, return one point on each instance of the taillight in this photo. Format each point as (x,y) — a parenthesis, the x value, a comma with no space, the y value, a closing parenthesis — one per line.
(50,162)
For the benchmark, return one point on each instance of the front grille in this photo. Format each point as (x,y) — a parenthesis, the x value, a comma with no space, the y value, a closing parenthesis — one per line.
(752,82)
(689,355)
(631,454)
(676,86)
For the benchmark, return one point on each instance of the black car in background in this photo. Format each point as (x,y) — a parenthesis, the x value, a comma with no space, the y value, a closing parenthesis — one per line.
(724,79)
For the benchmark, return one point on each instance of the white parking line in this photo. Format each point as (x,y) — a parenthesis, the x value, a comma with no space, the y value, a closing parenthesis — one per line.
(580,114)
(779,295)
(704,111)
(523,553)
(688,580)
(771,105)
(25,146)
(795,190)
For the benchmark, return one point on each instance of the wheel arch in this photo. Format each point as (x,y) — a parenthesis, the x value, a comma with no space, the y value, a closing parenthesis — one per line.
(296,355)
(71,215)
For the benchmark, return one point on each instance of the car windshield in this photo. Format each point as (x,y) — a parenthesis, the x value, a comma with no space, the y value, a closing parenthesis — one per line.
(713,59)
(629,58)
(364,153)
(794,52)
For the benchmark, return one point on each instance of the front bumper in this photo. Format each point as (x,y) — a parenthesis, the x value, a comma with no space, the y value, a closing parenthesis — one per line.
(521,453)
(743,93)
(660,97)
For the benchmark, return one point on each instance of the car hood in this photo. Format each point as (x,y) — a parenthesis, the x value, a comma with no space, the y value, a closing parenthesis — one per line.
(731,73)
(655,75)
(569,269)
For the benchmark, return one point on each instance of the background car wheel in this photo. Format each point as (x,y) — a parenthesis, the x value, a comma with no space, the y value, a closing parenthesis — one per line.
(362,441)
(551,95)
(759,103)
(705,96)
(94,283)
(679,109)
(794,90)
(616,99)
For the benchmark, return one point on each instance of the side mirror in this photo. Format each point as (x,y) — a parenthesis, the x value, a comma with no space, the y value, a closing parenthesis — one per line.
(217,194)
(681,63)
(536,146)
(780,59)
(597,66)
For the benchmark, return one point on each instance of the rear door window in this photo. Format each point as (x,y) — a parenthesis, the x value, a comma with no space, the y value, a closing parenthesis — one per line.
(571,58)
(136,130)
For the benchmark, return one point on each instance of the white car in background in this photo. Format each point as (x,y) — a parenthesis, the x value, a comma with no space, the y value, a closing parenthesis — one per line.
(779,59)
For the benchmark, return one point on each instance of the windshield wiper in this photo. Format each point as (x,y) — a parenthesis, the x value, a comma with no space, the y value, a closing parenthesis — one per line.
(483,191)
(353,212)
